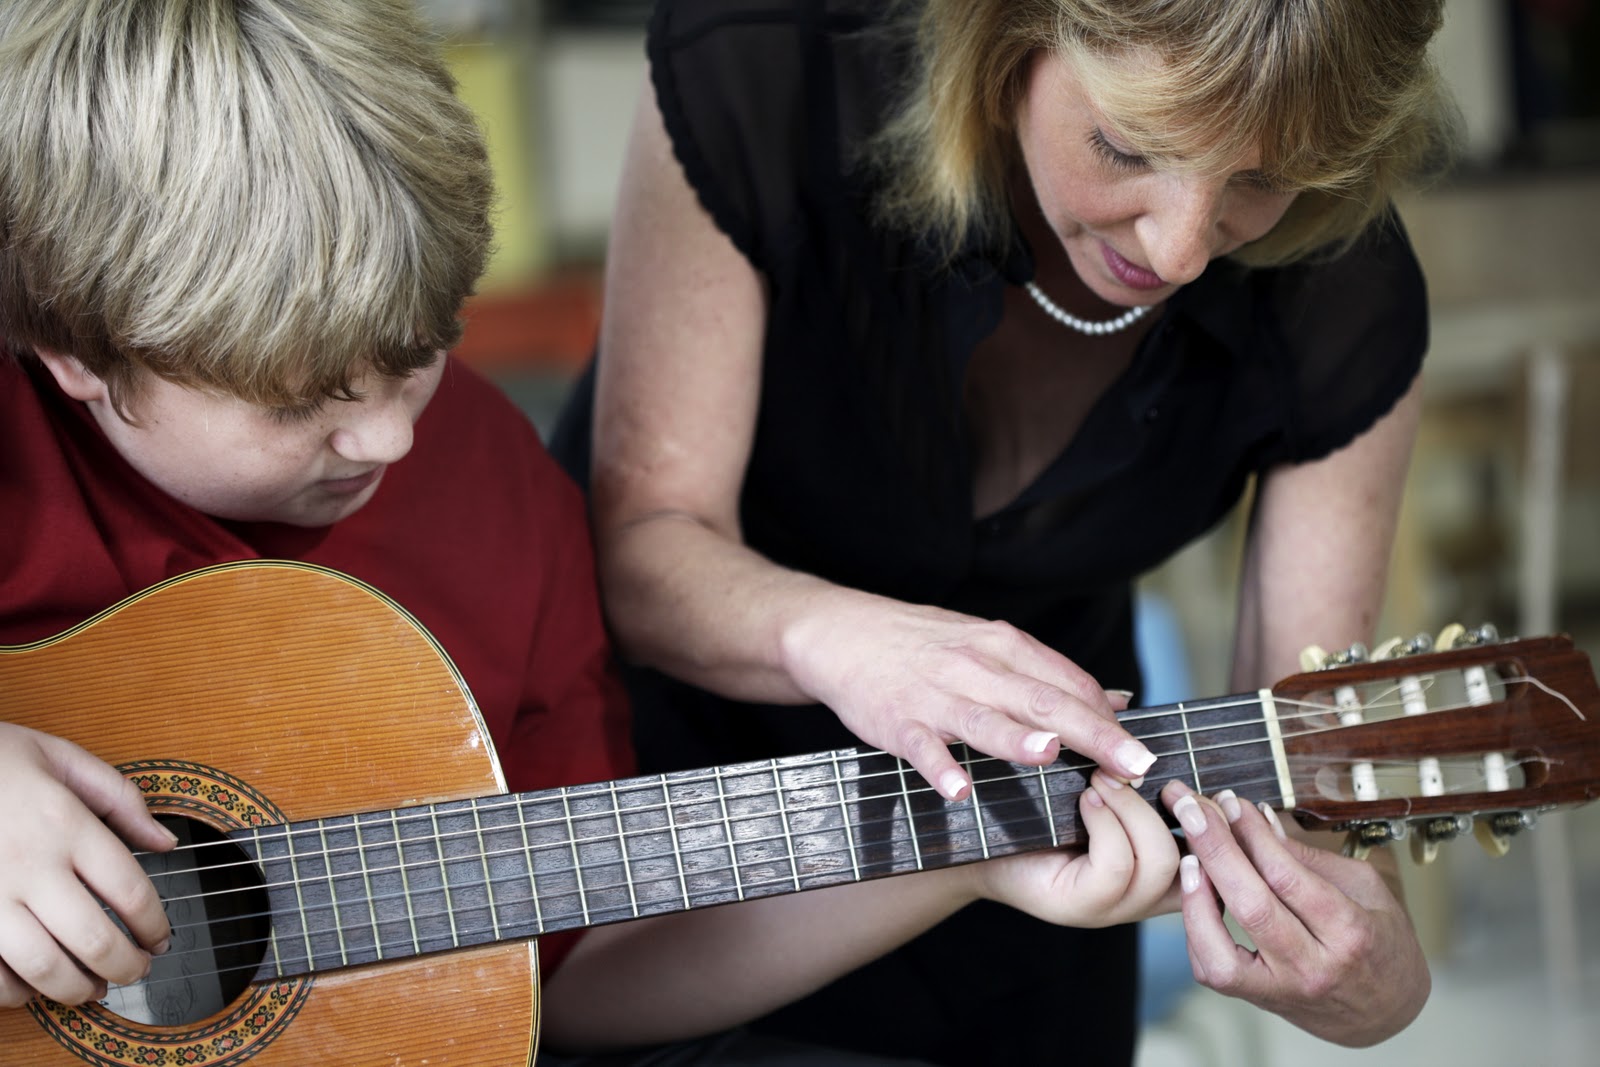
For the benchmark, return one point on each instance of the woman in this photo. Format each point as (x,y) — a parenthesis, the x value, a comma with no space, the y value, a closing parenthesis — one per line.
(927,333)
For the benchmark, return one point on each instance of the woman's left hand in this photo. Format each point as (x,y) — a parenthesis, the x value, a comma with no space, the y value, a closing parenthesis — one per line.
(1335,952)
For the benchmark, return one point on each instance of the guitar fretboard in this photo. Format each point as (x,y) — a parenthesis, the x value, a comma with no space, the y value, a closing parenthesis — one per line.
(391,884)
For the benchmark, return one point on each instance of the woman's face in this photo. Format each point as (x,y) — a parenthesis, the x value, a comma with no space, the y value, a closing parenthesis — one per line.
(1133,232)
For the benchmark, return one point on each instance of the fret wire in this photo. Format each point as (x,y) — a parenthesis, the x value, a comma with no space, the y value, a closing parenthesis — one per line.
(677,844)
(577,861)
(272,927)
(1049,808)
(622,847)
(783,819)
(488,879)
(527,858)
(972,799)
(299,898)
(844,819)
(911,822)
(444,875)
(333,891)
(727,831)
(366,881)
(1188,743)
(405,884)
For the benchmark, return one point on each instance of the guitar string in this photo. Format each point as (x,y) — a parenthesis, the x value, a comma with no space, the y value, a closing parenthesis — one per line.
(332,906)
(616,913)
(799,765)
(585,913)
(586,791)
(641,786)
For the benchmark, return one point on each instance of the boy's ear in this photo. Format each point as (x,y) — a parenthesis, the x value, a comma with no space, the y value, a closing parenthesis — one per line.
(73,377)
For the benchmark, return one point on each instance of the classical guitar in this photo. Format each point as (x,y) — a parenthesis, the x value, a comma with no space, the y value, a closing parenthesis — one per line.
(349,848)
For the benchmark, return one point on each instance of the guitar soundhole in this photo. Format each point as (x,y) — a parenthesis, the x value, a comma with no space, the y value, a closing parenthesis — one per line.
(216,903)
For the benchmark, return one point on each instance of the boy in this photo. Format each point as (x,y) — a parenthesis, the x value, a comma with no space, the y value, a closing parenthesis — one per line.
(236,236)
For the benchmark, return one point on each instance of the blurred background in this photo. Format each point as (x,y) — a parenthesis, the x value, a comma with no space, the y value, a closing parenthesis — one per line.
(1502,514)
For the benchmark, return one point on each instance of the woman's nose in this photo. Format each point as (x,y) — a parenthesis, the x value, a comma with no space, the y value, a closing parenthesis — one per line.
(1182,232)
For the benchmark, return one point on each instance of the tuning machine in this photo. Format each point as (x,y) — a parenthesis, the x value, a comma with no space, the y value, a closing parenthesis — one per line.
(1457,636)
(1366,836)
(1432,831)
(1316,658)
(1495,831)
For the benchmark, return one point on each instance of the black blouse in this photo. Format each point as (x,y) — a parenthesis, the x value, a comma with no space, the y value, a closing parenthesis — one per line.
(861,467)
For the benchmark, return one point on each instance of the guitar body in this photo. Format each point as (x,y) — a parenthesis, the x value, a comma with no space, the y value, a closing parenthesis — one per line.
(233,708)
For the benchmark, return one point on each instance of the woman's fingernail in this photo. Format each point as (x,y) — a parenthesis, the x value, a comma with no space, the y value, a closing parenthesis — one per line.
(1125,694)
(162,949)
(1093,799)
(1108,782)
(172,836)
(1134,758)
(1272,817)
(1190,815)
(1230,805)
(1039,741)
(1189,873)
(951,783)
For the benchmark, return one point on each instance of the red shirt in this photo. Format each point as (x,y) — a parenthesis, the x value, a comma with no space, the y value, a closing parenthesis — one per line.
(476,532)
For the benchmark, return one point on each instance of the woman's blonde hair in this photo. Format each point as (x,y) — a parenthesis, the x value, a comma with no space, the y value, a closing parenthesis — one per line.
(1339,96)
(260,197)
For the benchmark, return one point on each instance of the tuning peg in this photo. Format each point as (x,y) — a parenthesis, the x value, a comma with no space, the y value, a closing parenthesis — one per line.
(1366,836)
(1455,635)
(1494,832)
(1396,647)
(1430,832)
(1316,658)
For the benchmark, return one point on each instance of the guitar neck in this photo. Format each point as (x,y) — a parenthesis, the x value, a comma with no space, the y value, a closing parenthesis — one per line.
(391,884)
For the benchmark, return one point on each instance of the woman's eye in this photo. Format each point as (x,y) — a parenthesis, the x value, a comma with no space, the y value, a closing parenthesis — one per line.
(1113,155)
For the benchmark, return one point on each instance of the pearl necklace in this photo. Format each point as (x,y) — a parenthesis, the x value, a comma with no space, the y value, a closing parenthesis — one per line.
(1066,318)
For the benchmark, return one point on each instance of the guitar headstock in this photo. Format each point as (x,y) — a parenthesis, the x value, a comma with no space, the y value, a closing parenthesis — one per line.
(1429,739)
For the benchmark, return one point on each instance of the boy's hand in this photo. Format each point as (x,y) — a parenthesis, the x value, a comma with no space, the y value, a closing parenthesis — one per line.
(56,856)
(1128,871)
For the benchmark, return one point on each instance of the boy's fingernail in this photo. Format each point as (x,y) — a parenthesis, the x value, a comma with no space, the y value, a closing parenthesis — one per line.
(170,835)
(161,949)
(1134,758)
(951,783)
(1039,741)
(1230,805)
(1190,815)
(1125,694)
(1189,873)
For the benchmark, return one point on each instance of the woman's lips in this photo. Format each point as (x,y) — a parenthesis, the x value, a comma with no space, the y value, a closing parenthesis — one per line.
(1132,276)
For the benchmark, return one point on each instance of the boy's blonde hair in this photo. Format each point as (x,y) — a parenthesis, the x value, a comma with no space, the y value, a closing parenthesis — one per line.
(259,197)
(1339,96)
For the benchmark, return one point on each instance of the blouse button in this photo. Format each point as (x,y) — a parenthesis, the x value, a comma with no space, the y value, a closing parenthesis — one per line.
(1152,413)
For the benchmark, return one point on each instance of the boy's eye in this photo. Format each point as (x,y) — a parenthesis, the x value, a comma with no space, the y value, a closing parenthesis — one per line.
(1113,155)
(295,412)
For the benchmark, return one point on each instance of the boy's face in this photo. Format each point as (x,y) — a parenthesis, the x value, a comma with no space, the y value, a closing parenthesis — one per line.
(236,460)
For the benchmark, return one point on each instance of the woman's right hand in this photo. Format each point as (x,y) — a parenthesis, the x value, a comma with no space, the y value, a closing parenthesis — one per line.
(676,404)
(912,679)
(65,811)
